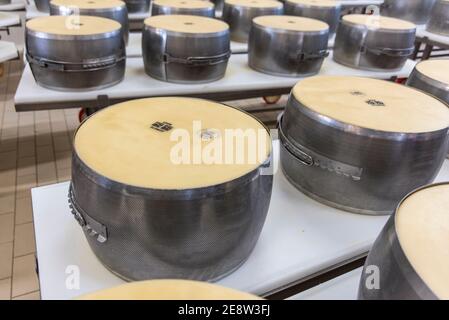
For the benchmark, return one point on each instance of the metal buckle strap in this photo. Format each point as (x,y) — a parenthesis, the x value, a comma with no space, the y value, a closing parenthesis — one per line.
(93,227)
(304,56)
(208,60)
(85,65)
(309,158)
(388,51)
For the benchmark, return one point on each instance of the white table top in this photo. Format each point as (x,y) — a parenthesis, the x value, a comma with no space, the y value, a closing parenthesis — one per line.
(344,287)
(8,51)
(421,32)
(15,5)
(239,78)
(9,19)
(32,12)
(300,237)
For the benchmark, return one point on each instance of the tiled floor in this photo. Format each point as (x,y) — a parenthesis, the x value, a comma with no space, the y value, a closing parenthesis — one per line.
(35,149)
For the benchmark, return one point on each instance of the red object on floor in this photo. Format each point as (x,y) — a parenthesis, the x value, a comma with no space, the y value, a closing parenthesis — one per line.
(401,80)
(81,115)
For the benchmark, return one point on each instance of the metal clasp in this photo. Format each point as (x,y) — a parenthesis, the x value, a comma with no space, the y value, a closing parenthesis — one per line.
(90,225)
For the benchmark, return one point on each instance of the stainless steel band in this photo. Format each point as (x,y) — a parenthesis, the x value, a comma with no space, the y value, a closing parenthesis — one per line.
(197,61)
(388,51)
(309,158)
(85,65)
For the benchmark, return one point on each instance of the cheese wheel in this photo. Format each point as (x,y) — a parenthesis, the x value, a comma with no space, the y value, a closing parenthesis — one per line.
(316,3)
(437,69)
(188,4)
(379,22)
(186,24)
(373,104)
(255,3)
(89,4)
(172,143)
(422,227)
(73,25)
(169,290)
(291,23)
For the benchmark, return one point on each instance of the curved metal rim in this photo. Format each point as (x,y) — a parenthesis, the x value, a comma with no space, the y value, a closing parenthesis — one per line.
(401,254)
(185,34)
(169,7)
(337,5)
(280,74)
(364,67)
(294,32)
(49,36)
(58,8)
(361,131)
(247,8)
(65,89)
(431,82)
(174,194)
(365,27)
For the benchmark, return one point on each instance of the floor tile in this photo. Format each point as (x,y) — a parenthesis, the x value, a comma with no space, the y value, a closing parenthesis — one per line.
(6,227)
(26,166)
(6,260)
(24,279)
(7,203)
(29,296)
(24,211)
(24,242)
(5,289)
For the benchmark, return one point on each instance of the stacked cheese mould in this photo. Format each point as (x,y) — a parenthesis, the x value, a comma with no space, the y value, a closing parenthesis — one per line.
(185,7)
(75,52)
(185,48)
(374,42)
(111,9)
(169,290)
(133,6)
(287,45)
(361,144)
(325,10)
(439,18)
(409,259)
(239,14)
(416,11)
(156,207)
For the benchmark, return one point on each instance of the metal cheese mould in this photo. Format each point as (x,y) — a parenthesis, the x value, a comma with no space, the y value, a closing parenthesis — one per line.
(373,43)
(287,46)
(42,5)
(138,6)
(416,11)
(201,233)
(431,76)
(189,7)
(195,50)
(325,10)
(240,13)
(352,167)
(439,18)
(115,10)
(72,61)
(396,278)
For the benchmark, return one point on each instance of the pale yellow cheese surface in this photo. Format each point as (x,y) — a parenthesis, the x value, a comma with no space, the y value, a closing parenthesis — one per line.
(316,3)
(291,23)
(186,24)
(422,226)
(169,290)
(89,4)
(255,3)
(379,22)
(72,25)
(187,4)
(358,101)
(437,69)
(119,143)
